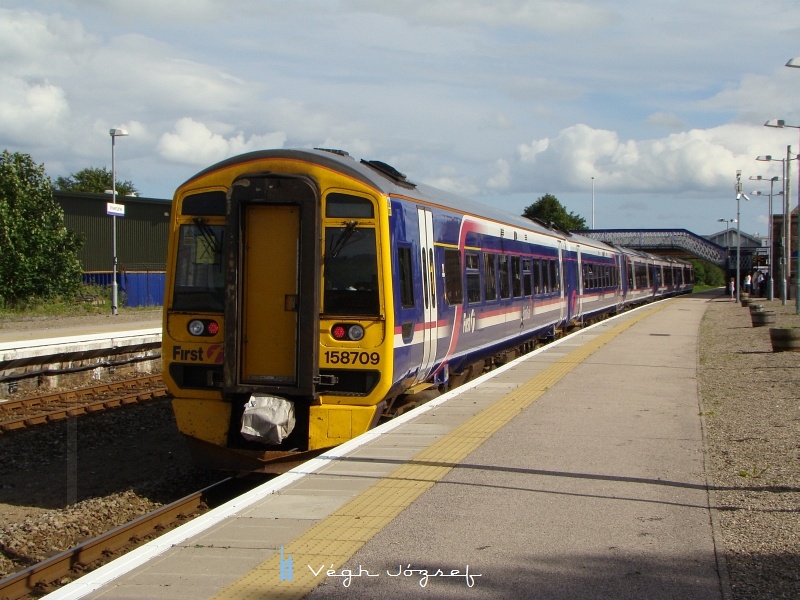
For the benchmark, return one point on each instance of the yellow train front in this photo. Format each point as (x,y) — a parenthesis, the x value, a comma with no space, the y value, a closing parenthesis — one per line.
(277,335)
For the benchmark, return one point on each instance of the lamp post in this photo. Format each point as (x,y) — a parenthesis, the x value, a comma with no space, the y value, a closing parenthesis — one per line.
(772,180)
(592,202)
(114,133)
(739,196)
(786,230)
(726,221)
(780,123)
(727,241)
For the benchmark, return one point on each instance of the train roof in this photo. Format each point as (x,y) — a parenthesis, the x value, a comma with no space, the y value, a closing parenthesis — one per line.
(390,181)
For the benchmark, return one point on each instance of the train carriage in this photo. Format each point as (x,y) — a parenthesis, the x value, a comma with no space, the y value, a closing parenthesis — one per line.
(309,295)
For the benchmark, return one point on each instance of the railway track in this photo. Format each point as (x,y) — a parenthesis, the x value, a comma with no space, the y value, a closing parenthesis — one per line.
(69,565)
(28,412)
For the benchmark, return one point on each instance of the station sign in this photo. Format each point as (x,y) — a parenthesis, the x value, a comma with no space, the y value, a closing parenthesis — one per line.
(116,210)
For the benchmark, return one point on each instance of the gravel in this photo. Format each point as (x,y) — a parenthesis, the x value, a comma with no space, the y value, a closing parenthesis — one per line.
(751,398)
(66,482)
(131,460)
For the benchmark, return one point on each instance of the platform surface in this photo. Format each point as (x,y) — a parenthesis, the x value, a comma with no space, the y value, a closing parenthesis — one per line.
(575,472)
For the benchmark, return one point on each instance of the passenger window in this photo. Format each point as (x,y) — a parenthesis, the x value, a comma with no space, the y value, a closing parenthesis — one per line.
(502,269)
(473,278)
(545,276)
(489,279)
(555,280)
(527,288)
(406,279)
(453,288)
(516,276)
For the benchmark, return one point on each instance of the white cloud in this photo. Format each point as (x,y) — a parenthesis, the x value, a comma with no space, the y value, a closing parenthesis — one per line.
(667,120)
(31,113)
(694,159)
(488,98)
(33,45)
(193,143)
(541,15)
(502,175)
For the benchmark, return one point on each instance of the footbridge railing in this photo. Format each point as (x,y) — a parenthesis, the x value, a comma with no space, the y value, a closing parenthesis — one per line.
(655,240)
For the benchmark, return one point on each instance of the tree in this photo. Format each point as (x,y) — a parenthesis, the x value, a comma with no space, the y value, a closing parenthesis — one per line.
(550,210)
(38,255)
(94,181)
(707,274)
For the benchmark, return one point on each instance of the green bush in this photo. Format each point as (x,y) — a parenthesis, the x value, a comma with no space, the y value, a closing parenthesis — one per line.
(38,255)
(706,274)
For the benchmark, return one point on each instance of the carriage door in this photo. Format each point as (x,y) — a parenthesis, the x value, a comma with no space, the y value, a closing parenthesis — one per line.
(580,282)
(430,330)
(561,280)
(274,325)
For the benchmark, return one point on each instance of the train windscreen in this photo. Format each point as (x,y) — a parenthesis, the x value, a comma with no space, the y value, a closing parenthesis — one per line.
(351,271)
(199,274)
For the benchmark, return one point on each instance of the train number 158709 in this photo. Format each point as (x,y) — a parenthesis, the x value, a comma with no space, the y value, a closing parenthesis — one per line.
(351,357)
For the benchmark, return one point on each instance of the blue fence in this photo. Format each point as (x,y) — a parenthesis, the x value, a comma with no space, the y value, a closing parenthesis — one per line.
(135,288)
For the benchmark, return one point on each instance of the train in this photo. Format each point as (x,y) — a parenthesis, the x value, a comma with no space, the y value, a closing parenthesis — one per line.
(311,295)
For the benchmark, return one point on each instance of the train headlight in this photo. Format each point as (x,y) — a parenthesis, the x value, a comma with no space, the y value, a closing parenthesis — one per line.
(355,332)
(203,327)
(345,332)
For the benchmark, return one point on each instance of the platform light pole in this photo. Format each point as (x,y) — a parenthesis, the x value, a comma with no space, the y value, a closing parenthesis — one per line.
(727,224)
(114,133)
(592,202)
(772,180)
(786,230)
(727,244)
(780,123)
(739,196)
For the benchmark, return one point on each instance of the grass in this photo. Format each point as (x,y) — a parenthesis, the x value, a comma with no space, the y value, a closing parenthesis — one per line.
(702,288)
(90,300)
(756,472)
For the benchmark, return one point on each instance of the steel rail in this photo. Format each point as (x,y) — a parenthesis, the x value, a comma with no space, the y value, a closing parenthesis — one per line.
(85,557)
(72,403)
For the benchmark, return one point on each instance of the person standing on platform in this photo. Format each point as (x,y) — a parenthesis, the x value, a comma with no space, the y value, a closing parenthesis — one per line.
(748,280)
(733,288)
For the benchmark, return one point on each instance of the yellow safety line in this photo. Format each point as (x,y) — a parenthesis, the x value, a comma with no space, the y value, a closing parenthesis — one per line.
(332,541)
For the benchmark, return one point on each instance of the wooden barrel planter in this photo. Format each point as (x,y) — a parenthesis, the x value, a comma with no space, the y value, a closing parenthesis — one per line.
(756,308)
(760,318)
(745,301)
(785,339)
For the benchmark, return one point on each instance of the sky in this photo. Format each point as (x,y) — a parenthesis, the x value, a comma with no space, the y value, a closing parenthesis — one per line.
(644,110)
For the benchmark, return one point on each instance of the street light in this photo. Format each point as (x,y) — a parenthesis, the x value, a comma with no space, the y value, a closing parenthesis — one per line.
(772,180)
(114,133)
(592,202)
(727,242)
(785,162)
(739,196)
(726,221)
(780,123)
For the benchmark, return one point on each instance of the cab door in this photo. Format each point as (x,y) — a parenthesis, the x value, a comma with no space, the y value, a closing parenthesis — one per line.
(272,286)
(269,295)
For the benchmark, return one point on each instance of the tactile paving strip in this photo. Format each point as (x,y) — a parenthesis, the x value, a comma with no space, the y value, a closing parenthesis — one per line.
(333,540)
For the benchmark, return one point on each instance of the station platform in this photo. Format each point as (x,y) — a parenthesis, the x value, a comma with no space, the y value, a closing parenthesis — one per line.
(577,471)
(22,347)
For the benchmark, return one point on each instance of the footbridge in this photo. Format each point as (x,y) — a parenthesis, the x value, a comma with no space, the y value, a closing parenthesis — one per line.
(666,242)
